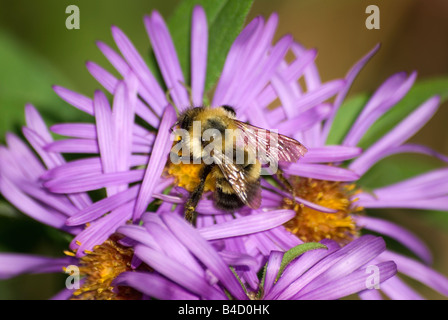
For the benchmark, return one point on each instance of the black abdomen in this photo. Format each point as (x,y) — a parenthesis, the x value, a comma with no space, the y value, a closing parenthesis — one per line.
(227,201)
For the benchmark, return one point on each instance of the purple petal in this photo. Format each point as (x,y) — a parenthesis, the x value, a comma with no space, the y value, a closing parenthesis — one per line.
(256,83)
(312,77)
(105,205)
(205,253)
(349,78)
(156,164)
(438,204)
(428,185)
(371,294)
(114,58)
(303,121)
(233,60)
(257,48)
(273,267)
(336,265)
(57,202)
(123,120)
(86,166)
(105,133)
(238,259)
(109,82)
(139,234)
(50,159)
(398,233)
(390,93)
(73,168)
(321,172)
(290,74)
(64,294)
(29,206)
(294,270)
(12,264)
(418,271)
(99,231)
(93,181)
(396,289)
(167,59)
(412,148)
(318,95)
(403,131)
(76,130)
(199,46)
(77,100)
(104,77)
(35,122)
(73,146)
(247,225)
(86,147)
(350,284)
(157,99)
(154,286)
(102,206)
(23,157)
(171,246)
(330,154)
(178,273)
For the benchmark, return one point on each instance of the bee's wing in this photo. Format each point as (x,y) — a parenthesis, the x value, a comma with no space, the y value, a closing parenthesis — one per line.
(268,146)
(238,179)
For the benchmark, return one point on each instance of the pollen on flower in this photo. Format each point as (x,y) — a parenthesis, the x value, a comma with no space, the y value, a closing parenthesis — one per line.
(186,175)
(100,267)
(312,225)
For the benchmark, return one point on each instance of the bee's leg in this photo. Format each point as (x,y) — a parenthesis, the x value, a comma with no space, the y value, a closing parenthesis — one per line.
(195,196)
(287,184)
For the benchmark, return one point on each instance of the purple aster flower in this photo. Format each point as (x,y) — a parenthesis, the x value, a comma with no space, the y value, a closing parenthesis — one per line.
(253,62)
(130,160)
(20,172)
(186,266)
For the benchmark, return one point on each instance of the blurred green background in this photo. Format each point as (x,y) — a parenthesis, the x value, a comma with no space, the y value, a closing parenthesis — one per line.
(37,51)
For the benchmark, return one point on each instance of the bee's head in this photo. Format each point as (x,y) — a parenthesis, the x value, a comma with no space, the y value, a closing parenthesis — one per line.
(185,120)
(231,111)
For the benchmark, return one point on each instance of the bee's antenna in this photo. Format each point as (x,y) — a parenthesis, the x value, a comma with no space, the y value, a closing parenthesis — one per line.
(170,101)
(287,184)
(188,88)
(172,127)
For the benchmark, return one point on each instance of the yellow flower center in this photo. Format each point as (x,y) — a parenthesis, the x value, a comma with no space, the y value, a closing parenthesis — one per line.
(100,267)
(312,225)
(187,176)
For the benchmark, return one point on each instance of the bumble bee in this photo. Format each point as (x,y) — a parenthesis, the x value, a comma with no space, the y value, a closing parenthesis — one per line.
(230,151)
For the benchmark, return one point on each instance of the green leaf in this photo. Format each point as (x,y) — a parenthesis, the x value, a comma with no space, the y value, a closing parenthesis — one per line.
(26,77)
(225,20)
(419,93)
(239,280)
(345,117)
(295,252)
